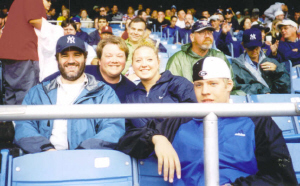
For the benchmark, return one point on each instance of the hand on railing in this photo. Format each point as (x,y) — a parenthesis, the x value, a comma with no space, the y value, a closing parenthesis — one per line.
(167,156)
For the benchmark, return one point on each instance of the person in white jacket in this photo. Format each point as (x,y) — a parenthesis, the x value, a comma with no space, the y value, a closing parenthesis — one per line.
(270,12)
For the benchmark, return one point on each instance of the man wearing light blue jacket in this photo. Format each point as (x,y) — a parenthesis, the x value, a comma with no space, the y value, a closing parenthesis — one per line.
(73,86)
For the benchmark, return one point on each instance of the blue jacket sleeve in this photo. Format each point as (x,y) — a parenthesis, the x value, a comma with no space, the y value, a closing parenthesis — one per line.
(27,135)
(108,130)
(183,90)
(273,159)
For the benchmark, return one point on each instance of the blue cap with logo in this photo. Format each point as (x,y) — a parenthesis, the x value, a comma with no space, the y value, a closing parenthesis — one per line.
(69,41)
(76,19)
(252,38)
(201,25)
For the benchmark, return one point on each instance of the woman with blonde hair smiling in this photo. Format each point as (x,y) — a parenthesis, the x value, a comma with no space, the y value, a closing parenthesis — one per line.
(155,87)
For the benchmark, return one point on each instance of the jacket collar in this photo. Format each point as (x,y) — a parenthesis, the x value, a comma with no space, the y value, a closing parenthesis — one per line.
(165,77)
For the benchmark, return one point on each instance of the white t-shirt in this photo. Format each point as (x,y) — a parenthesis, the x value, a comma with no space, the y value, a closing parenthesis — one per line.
(66,95)
(180,24)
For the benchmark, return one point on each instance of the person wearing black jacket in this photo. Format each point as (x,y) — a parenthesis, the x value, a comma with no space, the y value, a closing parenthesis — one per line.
(252,150)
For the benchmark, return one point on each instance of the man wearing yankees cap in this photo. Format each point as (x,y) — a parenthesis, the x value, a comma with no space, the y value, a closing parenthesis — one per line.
(72,87)
(254,73)
(252,150)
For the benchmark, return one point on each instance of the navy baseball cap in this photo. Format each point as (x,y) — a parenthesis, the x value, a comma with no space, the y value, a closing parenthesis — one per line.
(69,41)
(76,19)
(252,38)
(173,6)
(201,25)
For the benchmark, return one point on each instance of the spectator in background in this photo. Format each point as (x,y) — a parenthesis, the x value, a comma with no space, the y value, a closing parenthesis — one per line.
(95,13)
(115,14)
(103,13)
(206,14)
(130,14)
(72,87)
(84,17)
(95,35)
(70,28)
(142,14)
(160,23)
(168,14)
(254,72)
(174,10)
(245,25)
(51,14)
(65,16)
(215,23)
(136,34)
(19,48)
(170,30)
(180,21)
(184,33)
(79,33)
(239,17)
(246,12)
(296,16)
(270,12)
(140,7)
(154,15)
(148,11)
(275,33)
(230,19)
(288,49)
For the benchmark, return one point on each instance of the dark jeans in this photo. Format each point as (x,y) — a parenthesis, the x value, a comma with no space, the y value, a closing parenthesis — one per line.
(18,78)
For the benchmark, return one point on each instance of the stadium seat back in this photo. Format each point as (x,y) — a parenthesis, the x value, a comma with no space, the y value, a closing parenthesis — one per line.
(148,174)
(288,124)
(238,99)
(88,30)
(79,167)
(4,167)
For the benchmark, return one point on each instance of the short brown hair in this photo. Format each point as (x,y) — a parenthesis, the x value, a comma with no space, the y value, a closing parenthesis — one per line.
(112,40)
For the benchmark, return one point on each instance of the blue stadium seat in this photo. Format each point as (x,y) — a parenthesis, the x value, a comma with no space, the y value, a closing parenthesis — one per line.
(4,167)
(296,85)
(73,167)
(288,124)
(172,49)
(148,175)
(164,57)
(238,99)
(88,30)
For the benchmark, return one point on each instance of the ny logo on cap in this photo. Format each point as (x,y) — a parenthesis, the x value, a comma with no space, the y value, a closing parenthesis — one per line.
(71,39)
(202,73)
(252,37)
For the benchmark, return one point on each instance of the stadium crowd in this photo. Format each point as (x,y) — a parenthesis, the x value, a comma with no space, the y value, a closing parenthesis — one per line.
(222,53)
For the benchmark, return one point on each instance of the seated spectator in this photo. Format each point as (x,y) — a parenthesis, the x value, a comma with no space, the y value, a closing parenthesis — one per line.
(174,10)
(275,33)
(95,35)
(154,15)
(168,14)
(143,15)
(215,23)
(115,15)
(79,33)
(266,45)
(184,33)
(84,17)
(245,25)
(160,23)
(180,21)
(155,87)
(170,30)
(140,7)
(73,86)
(70,29)
(239,17)
(65,16)
(252,150)
(51,14)
(230,19)
(254,73)
(129,15)
(270,12)
(109,69)
(181,63)
(103,13)
(106,32)
(288,49)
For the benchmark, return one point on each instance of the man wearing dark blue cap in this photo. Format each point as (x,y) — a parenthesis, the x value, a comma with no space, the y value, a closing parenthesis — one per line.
(230,19)
(181,63)
(254,73)
(73,86)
